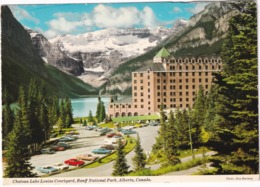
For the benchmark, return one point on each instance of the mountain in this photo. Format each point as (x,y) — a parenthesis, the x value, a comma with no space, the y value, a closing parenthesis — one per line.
(102,51)
(21,62)
(53,55)
(202,35)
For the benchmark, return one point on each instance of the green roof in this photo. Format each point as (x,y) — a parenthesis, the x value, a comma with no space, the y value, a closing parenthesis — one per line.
(163,53)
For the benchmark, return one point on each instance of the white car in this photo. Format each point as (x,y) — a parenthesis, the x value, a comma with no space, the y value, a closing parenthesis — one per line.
(60,166)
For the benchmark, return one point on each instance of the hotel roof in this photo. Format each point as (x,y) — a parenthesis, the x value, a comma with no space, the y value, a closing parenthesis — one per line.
(162,53)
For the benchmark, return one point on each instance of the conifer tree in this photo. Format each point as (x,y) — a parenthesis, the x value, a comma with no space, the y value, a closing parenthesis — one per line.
(18,165)
(98,108)
(90,117)
(8,116)
(163,126)
(238,96)
(140,157)
(102,114)
(120,165)
(68,111)
(62,113)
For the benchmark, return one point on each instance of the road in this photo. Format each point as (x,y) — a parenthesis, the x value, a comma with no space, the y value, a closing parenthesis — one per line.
(147,137)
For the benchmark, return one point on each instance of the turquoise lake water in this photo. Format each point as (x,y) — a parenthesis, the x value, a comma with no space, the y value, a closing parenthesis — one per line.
(82,106)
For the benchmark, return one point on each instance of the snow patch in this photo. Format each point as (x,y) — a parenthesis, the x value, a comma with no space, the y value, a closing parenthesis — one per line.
(45,59)
(97,69)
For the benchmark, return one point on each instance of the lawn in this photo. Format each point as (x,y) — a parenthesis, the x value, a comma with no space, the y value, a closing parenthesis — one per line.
(136,118)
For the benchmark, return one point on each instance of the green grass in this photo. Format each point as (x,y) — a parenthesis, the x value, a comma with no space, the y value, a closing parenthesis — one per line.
(131,143)
(168,169)
(136,118)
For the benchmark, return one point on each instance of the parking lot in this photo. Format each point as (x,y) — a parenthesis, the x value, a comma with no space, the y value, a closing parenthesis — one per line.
(88,141)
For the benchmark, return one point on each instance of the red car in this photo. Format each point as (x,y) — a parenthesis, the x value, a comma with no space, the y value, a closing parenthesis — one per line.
(112,134)
(74,162)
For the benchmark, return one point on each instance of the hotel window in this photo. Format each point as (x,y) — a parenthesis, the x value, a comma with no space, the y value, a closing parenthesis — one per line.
(117,106)
(148,77)
(187,67)
(187,74)
(187,105)
(123,106)
(111,106)
(148,83)
(187,86)
(207,86)
(180,93)
(141,74)
(135,81)
(149,108)
(158,74)
(180,105)
(174,106)
(158,87)
(142,100)
(206,80)
(164,93)
(135,100)
(135,106)
(206,67)
(171,81)
(174,93)
(206,73)
(180,67)
(141,81)
(148,89)
(219,67)
(180,99)
(142,106)
(142,94)
(193,67)
(193,73)
(158,80)
(135,94)
(199,80)
(174,99)
(135,87)
(171,100)
(158,100)
(180,87)
(129,106)
(164,106)
(148,96)
(213,67)
(187,99)
(193,93)
(193,80)
(164,100)
(199,73)
(174,87)
(141,87)
(193,86)
(187,93)
(180,74)
(171,106)
(164,74)
(164,87)
(158,93)
(180,80)
(135,74)
(199,67)
(158,106)
(193,99)
(149,102)
(164,81)
(187,80)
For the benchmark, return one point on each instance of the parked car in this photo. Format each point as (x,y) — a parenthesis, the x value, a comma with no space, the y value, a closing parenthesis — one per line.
(60,166)
(128,132)
(47,169)
(47,151)
(104,131)
(108,147)
(72,136)
(98,129)
(88,157)
(89,127)
(63,144)
(101,151)
(57,148)
(154,123)
(66,139)
(74,162)
(111,134)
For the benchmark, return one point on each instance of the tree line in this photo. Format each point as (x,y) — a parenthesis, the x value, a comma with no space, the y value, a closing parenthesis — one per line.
(29,126)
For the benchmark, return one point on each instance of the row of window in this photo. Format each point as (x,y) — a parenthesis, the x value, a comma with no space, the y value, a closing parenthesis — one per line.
(180,67)
(174,106)
(172,87)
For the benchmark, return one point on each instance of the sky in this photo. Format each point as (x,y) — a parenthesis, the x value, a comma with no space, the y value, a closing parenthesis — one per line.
(56,19)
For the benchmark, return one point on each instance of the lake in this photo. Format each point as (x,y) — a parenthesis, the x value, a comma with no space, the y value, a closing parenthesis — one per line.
(82,106)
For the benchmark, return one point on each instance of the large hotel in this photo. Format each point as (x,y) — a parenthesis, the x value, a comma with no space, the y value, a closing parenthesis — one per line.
(169,81)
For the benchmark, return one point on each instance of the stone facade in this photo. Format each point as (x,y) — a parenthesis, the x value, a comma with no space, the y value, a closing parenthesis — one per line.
(169,81)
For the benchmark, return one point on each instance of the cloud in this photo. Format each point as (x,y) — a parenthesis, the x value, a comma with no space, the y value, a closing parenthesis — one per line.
(22,14)
(198,8)
(102,16)
(176,10)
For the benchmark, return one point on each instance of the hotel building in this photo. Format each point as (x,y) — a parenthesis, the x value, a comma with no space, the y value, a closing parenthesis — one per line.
(169,81)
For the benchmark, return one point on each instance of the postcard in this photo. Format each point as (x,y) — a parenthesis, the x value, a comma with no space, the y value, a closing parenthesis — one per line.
(129,92)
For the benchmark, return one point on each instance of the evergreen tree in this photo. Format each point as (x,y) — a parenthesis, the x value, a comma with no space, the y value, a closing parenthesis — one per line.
(98,108)
(120,165)
(90,117)
(238,96)
(172,142)
(53,111)
(140,157)
(163,126)
(62,113)
(102,114)
(68,111)
(18,165)
(8,116)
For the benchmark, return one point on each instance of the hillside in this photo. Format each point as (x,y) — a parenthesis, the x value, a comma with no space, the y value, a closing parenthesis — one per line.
(203,35)
(20,63)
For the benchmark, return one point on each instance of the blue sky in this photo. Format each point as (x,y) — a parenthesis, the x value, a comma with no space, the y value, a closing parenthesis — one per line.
(55,19)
